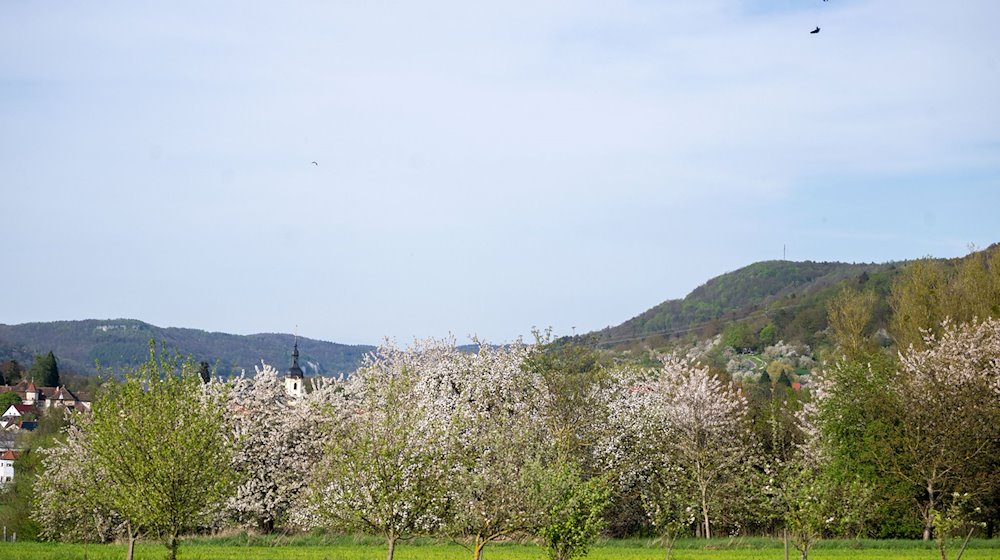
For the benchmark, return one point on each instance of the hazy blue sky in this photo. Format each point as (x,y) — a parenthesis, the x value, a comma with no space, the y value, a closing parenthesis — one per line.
(484,167)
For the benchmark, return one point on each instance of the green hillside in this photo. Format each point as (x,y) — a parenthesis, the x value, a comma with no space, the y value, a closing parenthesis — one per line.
(790,292)
(124,343)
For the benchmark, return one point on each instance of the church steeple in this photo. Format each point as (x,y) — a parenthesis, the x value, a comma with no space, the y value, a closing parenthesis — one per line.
(295,371)
(294,379)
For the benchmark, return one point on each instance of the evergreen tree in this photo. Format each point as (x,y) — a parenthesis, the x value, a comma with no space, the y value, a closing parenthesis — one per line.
(45,371)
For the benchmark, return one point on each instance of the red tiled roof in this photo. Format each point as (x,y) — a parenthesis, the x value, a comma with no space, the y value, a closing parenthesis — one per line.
(22,408)
(9,455)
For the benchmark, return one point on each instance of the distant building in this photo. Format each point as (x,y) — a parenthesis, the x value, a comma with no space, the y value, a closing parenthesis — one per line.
(294,379)
(7,459)
(42,398)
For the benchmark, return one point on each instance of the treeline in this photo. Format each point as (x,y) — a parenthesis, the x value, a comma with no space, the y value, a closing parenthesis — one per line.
(92,346)
(562,442)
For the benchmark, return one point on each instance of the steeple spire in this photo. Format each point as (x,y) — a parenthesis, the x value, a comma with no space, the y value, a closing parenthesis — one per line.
(295,371)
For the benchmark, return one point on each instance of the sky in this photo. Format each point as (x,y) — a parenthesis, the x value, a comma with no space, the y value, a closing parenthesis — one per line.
(484,168)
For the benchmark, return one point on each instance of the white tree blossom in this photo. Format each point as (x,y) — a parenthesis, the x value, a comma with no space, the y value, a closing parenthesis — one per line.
(276,445)
(948,401)
(503,447)
(681,430)
(69,504)
(385,465)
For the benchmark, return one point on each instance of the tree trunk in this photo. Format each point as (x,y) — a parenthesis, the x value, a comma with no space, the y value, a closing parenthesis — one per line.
(391,545)
(131,541)
(929,512)
(477,551)
(785,535)
(704,509)
(805,553)
(172,545)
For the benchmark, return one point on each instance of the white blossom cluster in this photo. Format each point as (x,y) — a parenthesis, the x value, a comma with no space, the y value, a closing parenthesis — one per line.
(68,498)
(277,441)
(963,354)
(681,430)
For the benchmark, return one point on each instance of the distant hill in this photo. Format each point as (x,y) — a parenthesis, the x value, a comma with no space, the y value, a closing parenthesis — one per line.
(124,343)
(792,295)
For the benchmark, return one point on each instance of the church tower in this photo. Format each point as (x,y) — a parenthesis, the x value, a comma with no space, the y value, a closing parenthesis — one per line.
(294,380)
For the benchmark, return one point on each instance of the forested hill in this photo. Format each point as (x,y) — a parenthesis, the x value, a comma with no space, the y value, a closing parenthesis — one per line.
(798,289)
(124,343)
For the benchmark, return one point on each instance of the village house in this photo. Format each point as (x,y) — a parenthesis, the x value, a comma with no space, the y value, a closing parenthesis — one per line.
(42,398)
(35,401)
(7,459)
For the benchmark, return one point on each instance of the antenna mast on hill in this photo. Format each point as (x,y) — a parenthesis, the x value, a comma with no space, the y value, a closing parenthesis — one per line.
(783,251)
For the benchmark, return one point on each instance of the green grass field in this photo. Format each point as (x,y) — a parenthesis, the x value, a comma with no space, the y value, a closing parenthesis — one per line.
(367,549)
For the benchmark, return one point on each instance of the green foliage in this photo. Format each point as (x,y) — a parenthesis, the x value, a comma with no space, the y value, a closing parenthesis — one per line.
(928,291)
(158,438)
(768,335)
(955,520)
(739,336)
(772,286)
(572,374)
(855,419)
(817,504)
(45,371)
(8,399)
(850,315)
(780,373)
(575,511)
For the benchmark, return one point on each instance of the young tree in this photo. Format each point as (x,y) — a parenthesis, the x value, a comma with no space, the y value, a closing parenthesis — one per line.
(956,520)
(386,464)
(574,516)
(815,503)
(685,429)
(709,435)
(157,437)
(503,446)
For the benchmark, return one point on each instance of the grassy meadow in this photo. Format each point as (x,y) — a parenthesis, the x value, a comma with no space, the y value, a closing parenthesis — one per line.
(237,548)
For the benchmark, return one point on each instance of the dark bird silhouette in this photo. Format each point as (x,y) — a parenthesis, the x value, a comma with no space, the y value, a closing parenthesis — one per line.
(814,31)
(316,164)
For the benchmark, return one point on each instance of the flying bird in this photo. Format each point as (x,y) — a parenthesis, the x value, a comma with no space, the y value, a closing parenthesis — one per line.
(814,31)
(316,164)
